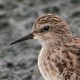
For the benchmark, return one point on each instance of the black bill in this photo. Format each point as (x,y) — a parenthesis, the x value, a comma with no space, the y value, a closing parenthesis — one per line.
(30,36)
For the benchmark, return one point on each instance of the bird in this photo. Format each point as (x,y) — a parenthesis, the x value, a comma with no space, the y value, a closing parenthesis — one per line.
(59,58)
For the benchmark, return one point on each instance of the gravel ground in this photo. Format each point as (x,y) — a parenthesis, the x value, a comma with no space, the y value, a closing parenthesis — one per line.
(19,62)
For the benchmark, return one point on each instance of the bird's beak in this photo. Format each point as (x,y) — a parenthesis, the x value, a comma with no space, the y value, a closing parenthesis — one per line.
(30,36)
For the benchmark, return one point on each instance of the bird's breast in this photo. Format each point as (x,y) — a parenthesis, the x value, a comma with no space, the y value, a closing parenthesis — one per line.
(47,65)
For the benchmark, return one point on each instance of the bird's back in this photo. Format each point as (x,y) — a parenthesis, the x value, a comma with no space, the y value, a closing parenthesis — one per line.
(71,64)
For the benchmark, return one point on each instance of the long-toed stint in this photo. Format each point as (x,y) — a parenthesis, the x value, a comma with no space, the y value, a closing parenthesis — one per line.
(59,58)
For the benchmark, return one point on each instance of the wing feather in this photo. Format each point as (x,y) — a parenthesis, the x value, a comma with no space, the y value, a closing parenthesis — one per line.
(71,54)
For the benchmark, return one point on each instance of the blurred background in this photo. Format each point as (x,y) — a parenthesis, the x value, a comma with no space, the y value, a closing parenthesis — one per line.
(19,62)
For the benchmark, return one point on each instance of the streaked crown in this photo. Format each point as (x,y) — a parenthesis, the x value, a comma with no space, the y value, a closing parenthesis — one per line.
(50,26)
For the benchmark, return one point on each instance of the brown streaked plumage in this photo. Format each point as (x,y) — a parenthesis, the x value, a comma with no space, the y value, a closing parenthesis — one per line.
(59,58)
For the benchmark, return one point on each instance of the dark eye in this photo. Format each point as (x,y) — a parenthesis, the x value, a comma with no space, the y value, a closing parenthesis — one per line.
(45,28)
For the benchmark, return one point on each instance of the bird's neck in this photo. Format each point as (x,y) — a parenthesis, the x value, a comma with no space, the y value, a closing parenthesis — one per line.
(52,44)
(57,41)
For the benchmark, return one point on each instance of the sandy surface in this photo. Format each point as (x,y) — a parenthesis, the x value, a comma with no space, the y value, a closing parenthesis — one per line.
(19,62)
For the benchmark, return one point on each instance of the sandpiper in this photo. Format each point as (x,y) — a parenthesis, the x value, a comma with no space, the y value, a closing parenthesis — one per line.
(59,58)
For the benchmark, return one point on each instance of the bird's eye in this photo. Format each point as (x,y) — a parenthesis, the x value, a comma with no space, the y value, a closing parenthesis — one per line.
(45,28)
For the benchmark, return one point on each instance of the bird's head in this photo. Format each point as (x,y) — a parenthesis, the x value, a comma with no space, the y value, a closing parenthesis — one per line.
(48,28)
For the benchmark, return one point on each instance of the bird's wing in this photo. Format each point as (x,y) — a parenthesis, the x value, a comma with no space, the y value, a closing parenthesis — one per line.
(72,56)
